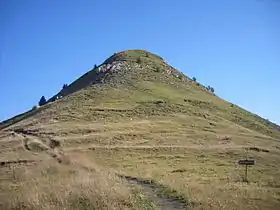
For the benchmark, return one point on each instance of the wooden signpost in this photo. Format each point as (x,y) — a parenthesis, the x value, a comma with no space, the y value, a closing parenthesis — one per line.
(247,163)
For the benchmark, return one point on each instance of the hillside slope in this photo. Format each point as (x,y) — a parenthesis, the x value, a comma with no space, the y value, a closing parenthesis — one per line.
(138,116)
(148,75)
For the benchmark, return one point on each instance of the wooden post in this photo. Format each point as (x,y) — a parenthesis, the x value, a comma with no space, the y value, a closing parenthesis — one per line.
(246,162)
(246,171)
(246,168)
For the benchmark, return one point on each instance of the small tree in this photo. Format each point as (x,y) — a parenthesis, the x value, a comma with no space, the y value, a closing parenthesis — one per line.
(95,66)
(42,101)
(180,76)
(138,60)
(194,79)
(157,69)
(209,88)
(64,86)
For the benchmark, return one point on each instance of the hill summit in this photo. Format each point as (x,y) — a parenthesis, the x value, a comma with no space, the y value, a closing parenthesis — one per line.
(125,67)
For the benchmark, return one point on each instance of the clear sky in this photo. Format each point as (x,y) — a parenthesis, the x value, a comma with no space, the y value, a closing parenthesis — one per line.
(232,45)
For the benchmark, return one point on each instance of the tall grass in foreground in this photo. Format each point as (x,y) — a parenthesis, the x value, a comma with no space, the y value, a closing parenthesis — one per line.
(53,186)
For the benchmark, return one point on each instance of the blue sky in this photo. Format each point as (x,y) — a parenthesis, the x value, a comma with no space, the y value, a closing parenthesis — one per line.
(233,46)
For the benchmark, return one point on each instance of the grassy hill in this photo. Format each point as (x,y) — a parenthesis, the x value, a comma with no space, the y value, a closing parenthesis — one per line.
(139,126)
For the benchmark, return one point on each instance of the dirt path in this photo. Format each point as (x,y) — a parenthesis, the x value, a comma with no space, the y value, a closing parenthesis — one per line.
(155,191)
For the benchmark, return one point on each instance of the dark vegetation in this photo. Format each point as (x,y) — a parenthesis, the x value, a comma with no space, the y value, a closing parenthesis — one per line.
(42,101)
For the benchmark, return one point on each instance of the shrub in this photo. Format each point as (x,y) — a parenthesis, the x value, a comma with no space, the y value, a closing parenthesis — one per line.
(42,101)
(180,76)
(157,69)
(64,86)
(34,107)
(139,60)
(209,88)
(194,79)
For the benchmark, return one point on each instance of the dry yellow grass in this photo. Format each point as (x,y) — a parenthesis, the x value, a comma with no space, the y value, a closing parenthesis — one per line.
(81,184)
(208,178)
(200,165)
